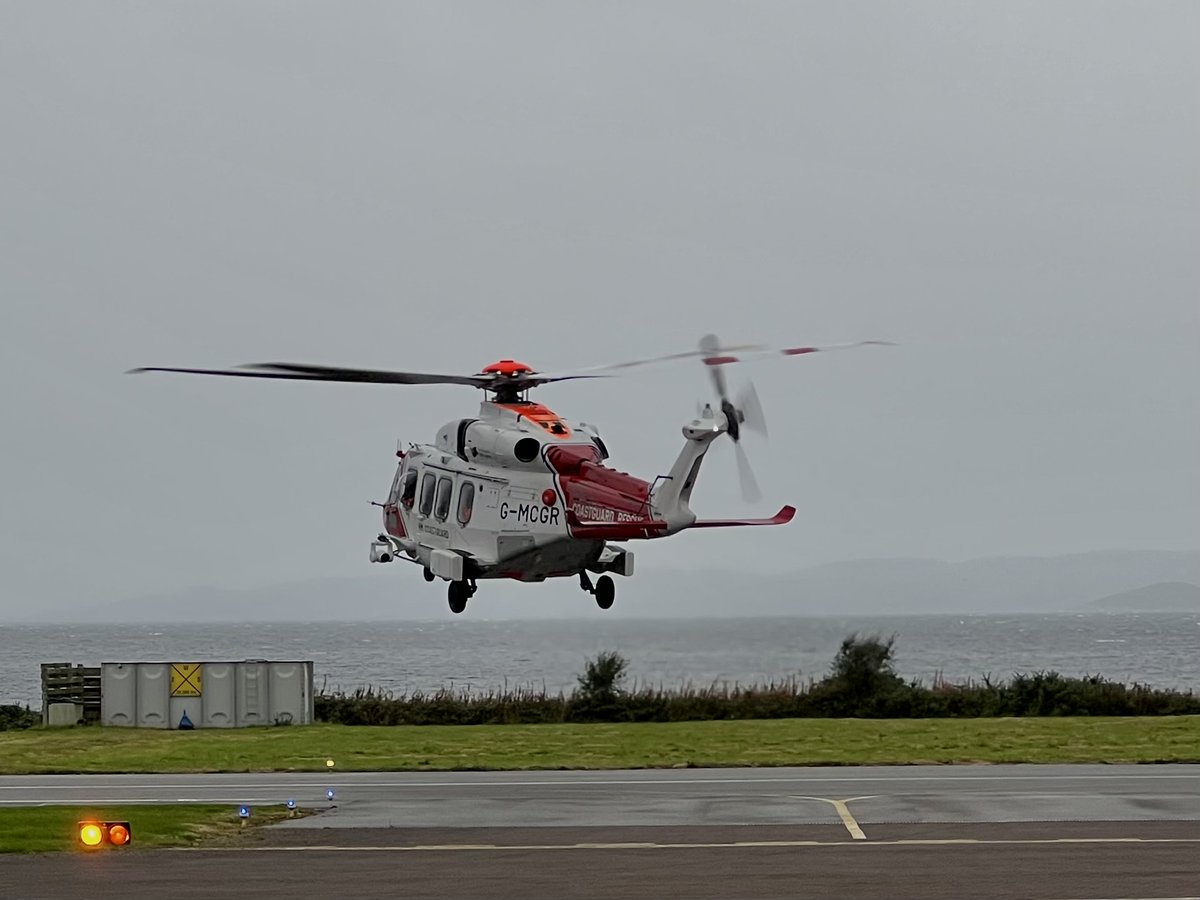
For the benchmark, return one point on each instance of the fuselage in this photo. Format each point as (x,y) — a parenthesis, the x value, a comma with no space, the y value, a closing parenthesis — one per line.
(520,492)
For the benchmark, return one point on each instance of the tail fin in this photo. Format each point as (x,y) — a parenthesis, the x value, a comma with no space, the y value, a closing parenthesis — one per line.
(670,500)
(782,517)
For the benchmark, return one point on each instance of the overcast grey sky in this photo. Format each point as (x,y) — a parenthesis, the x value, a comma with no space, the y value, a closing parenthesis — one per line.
(1009,190)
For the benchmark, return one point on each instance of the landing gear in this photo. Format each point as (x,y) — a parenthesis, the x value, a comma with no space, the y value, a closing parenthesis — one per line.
(459,593)
(429,576)
(604,590)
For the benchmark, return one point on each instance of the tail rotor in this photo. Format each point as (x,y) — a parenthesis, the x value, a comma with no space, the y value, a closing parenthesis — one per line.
(751,410)
(748,412)
(750,491)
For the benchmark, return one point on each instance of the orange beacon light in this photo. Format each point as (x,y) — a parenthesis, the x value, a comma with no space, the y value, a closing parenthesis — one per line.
(97,834)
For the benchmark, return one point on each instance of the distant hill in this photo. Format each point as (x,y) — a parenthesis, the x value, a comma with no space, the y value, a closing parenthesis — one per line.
(1067,583)
(1165,596)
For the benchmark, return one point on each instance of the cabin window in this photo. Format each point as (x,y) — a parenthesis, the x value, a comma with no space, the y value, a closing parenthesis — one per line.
(410,490)
(442,508)
(427,486)
(466,502)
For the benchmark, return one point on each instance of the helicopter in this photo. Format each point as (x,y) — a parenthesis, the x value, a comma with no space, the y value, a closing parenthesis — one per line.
(520,492)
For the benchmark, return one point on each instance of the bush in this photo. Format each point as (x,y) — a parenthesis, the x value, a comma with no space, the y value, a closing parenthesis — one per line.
(861,683)
(14,717)
(370,706)
(600,696)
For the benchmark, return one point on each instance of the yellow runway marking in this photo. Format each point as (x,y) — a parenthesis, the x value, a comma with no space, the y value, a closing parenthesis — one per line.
(848,820)
(649,845)
(844,813)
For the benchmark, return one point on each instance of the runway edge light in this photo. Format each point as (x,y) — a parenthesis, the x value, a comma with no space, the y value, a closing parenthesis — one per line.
(98,834)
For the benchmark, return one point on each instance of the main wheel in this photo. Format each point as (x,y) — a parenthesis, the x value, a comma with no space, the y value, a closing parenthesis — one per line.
(429,576)
(606,591)
(457,594)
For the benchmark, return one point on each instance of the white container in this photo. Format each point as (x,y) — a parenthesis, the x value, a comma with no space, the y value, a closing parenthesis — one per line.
(59,715)
(220,695)
(231,694)
(253,693)
(290,693)
(118,694)
(153,695)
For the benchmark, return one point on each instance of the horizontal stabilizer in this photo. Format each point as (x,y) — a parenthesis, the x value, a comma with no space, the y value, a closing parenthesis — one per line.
(780,518)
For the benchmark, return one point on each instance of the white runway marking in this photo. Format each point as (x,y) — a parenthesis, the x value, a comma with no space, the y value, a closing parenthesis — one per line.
(151,801)
(355,780)
(700,845)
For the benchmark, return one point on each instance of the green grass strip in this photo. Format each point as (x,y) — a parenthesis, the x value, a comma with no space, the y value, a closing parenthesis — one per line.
(775,742)
(45,829)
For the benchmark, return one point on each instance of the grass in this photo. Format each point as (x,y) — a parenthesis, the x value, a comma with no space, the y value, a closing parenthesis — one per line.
(772,742)
(45,829)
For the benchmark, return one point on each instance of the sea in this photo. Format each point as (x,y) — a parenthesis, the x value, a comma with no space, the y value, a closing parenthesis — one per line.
(1159,649)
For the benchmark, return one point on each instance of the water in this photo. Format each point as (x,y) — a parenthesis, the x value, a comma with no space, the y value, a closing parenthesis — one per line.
(1158,649)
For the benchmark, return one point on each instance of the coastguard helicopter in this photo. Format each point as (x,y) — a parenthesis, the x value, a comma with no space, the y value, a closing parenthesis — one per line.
(520,492)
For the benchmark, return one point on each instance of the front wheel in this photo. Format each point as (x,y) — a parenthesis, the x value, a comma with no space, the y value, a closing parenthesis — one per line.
(458,593)
(606,592)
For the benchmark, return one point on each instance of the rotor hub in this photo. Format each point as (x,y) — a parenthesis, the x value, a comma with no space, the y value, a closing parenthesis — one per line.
(509,368)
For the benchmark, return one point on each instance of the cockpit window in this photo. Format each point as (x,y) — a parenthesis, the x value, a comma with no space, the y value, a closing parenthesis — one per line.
(442,508)
(466,502)
(410,490)
(427,485)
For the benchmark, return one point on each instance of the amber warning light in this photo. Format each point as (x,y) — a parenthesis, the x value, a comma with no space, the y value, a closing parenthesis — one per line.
(97,834)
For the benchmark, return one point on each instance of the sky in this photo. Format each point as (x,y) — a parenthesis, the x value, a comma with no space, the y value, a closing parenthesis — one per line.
(1007,190)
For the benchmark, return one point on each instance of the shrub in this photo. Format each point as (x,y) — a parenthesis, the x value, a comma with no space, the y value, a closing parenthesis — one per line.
(600,696)
(862,682)
(14,717)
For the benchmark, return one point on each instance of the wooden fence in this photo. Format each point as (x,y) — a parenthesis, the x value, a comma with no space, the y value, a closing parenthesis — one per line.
(66,683)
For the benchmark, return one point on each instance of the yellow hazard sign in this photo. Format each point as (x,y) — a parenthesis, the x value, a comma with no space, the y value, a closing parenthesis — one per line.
(185,679)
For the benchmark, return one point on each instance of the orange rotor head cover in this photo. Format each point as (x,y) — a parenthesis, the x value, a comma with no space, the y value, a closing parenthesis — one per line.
(508,367)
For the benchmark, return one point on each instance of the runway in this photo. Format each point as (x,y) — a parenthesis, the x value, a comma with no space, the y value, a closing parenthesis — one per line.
(995,832)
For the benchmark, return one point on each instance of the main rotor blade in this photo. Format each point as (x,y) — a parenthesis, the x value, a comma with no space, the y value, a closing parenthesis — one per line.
(534,379)
(375,376)
(670,357)
(294,372)
(301,372)
(714,355)
(724,359)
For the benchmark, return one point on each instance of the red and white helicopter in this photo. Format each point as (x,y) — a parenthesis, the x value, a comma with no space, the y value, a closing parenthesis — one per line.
(520,492)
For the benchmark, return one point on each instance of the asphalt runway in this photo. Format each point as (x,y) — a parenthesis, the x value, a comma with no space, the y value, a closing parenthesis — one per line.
(989,832)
